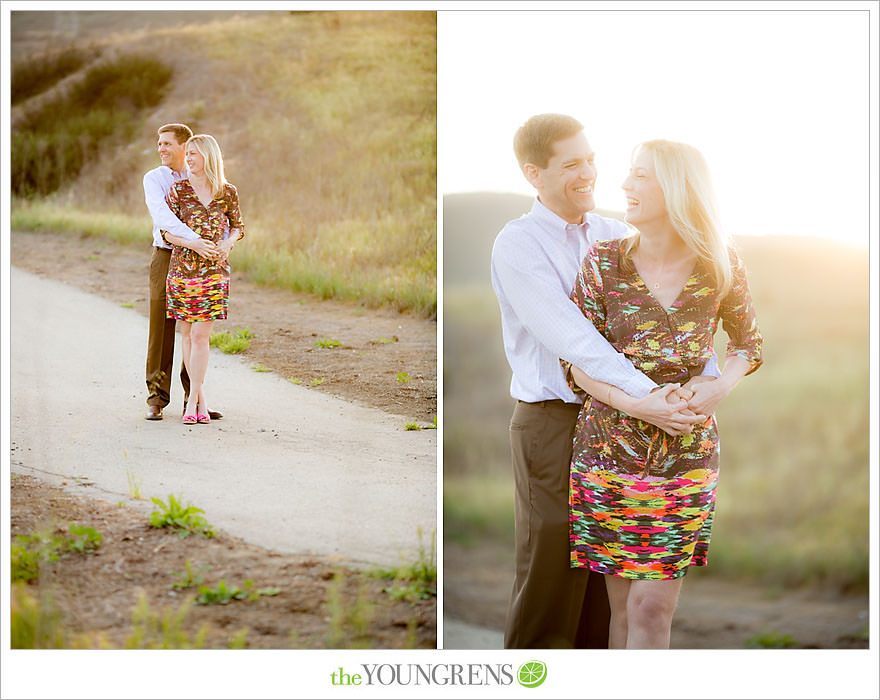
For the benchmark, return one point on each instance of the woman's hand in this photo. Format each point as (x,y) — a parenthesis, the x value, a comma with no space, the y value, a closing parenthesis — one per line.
(666,408)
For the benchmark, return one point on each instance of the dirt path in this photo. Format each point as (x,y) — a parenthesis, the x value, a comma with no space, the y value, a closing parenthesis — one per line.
(711,614)
(377,345)
(287,468)
(307,487)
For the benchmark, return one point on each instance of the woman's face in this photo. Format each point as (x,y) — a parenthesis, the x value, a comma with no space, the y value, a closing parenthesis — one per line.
(645,202)
(195,161)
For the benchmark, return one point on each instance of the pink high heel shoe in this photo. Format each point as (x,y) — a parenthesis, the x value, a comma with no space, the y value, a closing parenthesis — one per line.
(203,418)
(190,419)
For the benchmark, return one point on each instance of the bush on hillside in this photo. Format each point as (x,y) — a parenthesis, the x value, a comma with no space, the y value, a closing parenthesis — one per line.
(34,75)
(54,142)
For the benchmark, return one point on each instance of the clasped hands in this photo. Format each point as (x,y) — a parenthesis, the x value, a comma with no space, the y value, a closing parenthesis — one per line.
(215,252)
(685,406)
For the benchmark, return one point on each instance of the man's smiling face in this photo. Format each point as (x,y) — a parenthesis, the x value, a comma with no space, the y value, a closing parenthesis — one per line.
(170,152)
(566,185)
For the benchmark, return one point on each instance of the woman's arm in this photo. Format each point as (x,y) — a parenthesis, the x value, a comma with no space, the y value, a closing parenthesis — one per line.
(666,407)
(744,354)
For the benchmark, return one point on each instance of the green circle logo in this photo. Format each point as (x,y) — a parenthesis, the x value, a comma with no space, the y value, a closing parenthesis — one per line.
(531,674)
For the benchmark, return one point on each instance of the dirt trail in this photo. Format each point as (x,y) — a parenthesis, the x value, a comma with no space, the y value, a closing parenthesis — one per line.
(288,468)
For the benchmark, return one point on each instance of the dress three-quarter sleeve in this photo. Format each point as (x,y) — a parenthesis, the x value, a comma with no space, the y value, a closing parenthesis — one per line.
(738,316)
(233,210)
(589,297)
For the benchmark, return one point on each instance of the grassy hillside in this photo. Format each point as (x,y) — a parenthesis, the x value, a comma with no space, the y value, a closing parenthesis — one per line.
(327,121)
(793,496)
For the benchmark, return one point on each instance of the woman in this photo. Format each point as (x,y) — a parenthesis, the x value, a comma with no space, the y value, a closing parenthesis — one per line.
(197,288)
(642,500)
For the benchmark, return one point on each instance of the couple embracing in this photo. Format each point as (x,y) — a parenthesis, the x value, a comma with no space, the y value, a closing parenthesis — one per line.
(196,222)
(608,330)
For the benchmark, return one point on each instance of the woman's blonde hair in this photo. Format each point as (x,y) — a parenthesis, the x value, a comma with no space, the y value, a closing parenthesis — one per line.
(690,203)
(210,150)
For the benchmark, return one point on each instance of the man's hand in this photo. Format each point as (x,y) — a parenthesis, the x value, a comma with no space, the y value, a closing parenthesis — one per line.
(224,247)
(706,394)
(666,409)
(203,247)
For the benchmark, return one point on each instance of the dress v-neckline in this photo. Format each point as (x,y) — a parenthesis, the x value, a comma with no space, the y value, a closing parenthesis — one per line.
(189,182)
(667,309)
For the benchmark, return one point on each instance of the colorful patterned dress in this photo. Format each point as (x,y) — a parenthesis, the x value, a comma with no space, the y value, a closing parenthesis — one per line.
(642,501)
(198,289)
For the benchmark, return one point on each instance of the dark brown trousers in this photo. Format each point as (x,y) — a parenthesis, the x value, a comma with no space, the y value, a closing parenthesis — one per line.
(160,344)
(551,605)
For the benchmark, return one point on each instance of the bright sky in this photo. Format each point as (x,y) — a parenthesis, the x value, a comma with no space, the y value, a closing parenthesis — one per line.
(777,101)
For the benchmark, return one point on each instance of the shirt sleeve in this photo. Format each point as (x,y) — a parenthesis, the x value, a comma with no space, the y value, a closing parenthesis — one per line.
(547,312)
(738,317)
(162,216)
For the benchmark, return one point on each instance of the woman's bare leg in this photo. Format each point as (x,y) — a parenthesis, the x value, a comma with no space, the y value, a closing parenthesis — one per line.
(649,610)
(618,592)
(198,367)
(185,351)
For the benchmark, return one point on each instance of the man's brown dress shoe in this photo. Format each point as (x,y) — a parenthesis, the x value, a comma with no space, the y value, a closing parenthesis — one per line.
(154,413)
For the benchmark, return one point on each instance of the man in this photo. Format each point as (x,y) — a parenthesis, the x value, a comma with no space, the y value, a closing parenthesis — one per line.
(160,344)
(535,261)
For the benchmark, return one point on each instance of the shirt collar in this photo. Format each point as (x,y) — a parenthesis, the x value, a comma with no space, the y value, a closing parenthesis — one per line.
(182,175)
(551,222)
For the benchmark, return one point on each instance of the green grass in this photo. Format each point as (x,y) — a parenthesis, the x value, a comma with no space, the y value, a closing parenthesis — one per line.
(31,551)
(351,211)
(416,581)
(261,368)
(327,343)
(771,640)
(403,377)
(165,629)
(232,342)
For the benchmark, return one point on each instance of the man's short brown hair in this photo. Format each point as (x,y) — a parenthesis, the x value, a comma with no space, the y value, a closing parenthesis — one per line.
(533,142)
(181,131)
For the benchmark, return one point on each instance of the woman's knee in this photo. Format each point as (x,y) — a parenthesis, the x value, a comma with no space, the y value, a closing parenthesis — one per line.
(201,333)
(650,608)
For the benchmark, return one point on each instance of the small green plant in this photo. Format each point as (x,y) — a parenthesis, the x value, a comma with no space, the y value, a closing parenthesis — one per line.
(183,519)
(327,343)
(127,305)
(30,551)
(433,425)
(261,368)
(186,578)
(25,563)
(223,593)
(349,623)
(238,640)
(403,377)
(232,342)
(163,630)
(85,539)
(412,426)
(318,381)
(134,484)
(771,640)
(417,581)
(294,380)
(385,341)
(34,624)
